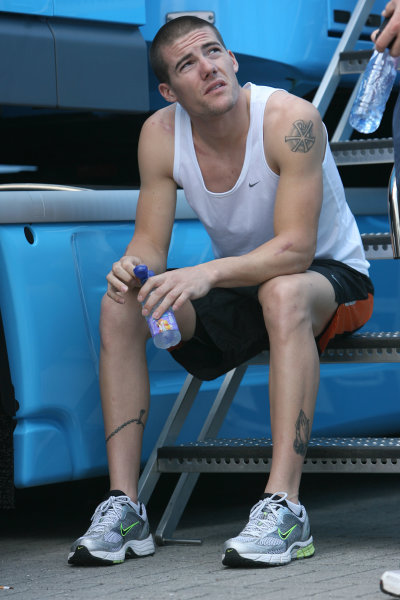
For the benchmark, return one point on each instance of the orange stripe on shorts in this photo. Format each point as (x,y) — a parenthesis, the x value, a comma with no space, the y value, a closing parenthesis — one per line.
(348,318)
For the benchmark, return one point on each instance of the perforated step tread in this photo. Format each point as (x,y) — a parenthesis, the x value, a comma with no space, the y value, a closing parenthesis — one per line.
(363,151)
(319,447)
(354,61)
(368,339)
(376,239)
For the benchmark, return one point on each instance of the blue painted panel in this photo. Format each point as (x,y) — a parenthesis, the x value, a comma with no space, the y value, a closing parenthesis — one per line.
(28,65)
(50,294)
(28,7)
(289,34)
(285,45)
(51,365)
(42,452)
(117,11)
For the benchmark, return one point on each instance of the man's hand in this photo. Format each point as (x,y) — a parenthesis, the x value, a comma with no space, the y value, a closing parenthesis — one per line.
(121,278)
(391,32)
(174,288)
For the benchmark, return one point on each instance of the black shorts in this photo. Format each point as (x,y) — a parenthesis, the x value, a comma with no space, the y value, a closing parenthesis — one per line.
(230,326)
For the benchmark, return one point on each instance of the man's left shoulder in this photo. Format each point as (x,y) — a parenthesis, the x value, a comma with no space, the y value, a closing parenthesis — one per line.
(286,107)
(293,134)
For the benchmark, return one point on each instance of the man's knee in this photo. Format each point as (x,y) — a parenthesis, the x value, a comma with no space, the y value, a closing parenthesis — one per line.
(119,321)
(284,301)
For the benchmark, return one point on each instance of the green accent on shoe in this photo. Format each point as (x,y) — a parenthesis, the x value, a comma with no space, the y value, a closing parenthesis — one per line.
(127,530)
(117,562)
(284,535)
(305,552)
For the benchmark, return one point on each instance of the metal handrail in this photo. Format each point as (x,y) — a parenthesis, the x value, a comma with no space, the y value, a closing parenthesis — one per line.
(394,214)
(15,187)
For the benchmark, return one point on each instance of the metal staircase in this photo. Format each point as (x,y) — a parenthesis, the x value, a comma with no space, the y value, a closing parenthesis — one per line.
(347,61)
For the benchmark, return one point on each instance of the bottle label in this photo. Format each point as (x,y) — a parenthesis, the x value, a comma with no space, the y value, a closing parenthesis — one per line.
(166,322)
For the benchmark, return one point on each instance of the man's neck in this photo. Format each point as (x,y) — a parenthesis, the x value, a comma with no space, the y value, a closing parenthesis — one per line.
(222,130)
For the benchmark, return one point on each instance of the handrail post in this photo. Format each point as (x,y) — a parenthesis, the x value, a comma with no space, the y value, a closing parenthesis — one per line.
(394,214)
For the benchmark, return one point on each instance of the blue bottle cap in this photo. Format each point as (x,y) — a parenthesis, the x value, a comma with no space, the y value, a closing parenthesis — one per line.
(142,273)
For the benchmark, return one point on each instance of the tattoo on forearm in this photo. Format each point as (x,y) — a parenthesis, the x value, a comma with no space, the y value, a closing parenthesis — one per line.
(138,421)
(301,138)
(302,434)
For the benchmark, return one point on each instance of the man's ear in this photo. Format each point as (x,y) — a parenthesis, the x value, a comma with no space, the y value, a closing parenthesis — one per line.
(166,92)
(235,62)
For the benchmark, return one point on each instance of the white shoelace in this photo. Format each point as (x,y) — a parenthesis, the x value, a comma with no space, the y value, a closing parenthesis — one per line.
(264,515)
(107,513)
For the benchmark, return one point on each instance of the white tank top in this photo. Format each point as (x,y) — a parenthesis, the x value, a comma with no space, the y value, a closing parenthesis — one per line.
(241,219)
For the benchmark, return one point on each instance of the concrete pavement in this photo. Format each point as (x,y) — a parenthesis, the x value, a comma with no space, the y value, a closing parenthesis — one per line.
(355,522)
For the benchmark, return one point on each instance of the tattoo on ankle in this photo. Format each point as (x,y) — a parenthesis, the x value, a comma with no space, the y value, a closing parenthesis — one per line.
(138,421)
(302,434)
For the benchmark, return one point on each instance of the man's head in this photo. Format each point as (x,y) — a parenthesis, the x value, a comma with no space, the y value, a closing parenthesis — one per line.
(167,34)
(194,67)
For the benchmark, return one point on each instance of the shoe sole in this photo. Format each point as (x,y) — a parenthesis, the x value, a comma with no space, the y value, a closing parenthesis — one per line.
(133,549)
(232,558)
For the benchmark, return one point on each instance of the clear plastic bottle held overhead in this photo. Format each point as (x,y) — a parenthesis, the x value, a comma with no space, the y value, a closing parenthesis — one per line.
(374,91)
(164,331)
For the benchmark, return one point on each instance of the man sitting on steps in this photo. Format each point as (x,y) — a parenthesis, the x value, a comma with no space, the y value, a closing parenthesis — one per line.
(289,273)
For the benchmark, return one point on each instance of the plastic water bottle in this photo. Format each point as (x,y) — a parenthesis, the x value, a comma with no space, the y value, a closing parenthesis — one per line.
(164,331)
(374,91)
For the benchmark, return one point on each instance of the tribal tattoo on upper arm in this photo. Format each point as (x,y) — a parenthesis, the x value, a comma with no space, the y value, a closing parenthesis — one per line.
(301,138)
(303,431)
(138,421)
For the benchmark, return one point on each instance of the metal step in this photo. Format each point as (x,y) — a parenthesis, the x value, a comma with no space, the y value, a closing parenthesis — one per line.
(364,347)
(355,61)
(377,245)
(353,454)
(363,152)
(375,239)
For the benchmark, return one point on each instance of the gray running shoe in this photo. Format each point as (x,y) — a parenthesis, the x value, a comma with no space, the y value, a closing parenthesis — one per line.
(117,532)
(274,535)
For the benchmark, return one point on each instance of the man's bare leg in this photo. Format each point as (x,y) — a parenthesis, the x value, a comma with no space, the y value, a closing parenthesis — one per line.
(124,383)
(120,528)
(296,309)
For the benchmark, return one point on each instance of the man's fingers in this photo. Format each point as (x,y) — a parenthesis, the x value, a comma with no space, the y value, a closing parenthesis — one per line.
(180,301)
(167,301)
(123,271)
(116,296)
(116,283)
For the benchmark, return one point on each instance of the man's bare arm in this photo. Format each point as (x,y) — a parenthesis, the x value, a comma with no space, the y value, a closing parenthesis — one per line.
(156,206)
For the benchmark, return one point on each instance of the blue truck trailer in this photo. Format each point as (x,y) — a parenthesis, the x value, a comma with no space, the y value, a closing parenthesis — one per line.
(57,242)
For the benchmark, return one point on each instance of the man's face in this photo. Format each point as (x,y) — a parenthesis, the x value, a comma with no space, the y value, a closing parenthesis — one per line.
(202,74)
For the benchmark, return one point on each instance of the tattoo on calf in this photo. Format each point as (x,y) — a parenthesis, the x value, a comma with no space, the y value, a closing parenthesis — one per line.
(302,434)
(138,421)
(301,138)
